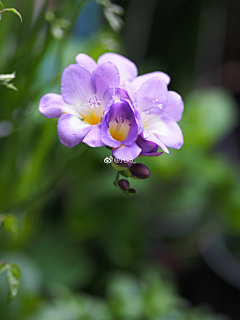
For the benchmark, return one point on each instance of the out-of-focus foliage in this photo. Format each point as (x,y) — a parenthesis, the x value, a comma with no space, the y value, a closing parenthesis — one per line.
(13,275)
(84,248)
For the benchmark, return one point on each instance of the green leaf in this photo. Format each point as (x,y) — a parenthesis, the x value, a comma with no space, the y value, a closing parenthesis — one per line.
(12,10)
(1,5)
(3,267)
(13,276)
(10,223)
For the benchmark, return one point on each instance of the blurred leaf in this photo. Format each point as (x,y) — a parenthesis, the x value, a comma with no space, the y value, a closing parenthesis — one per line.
(13,276)
(3,267)
(10,223)
(209,115)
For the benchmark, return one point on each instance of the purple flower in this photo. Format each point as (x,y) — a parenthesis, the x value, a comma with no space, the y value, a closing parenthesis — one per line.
(159,109)
(120,127)
(127,69)
(81,105)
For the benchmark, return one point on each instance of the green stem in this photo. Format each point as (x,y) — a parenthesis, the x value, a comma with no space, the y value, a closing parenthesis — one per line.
(45,188)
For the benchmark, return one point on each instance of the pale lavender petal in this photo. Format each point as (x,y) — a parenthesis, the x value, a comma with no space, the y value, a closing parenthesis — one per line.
(137,82)
(92,138)
(127,68)
(170,134)
(131,93)
(152,93)
(127,153)
(156,140)
(86,62)
(106,75)
(71,130)
(51,105)
(174,107)
(109,96)
(77,85)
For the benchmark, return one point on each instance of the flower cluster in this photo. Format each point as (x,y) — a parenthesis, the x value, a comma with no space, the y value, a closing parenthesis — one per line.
(107,104)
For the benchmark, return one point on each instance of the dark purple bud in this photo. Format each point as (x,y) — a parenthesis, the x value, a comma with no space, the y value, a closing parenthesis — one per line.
(139,171)
(132,192)
(123,184)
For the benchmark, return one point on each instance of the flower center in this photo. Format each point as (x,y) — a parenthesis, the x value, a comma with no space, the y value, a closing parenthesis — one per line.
(94,111)
(119,127)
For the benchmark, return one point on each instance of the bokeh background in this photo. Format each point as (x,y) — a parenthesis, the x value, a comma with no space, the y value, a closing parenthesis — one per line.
(87,251)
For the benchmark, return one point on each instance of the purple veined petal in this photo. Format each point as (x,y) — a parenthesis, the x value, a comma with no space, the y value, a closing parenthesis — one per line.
(170,134)
(92,138)
(78,85)
(71,130)
(137,82)
(83,60)
(152,93)
(174,107)
(125,153)
(105,75)
(127,68)
(52,106)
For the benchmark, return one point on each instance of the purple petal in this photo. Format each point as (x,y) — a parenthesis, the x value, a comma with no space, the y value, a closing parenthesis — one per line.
(51,105)
(86,62)
(77,85)
(92,138)
(106,137)
(170,134)
(71,130)
(127,68)
(137,82)
(122,123)
(174,107)
(106,75)
(133,132)
(146,146)
(127,153)
(152,93)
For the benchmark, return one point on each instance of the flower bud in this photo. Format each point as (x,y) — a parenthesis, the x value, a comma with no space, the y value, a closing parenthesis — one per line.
(139,171)
(123,184)
(132,192)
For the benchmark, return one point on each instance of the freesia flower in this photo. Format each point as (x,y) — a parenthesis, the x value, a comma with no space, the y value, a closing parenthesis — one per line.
(81,103)
(160,110)
(120,127)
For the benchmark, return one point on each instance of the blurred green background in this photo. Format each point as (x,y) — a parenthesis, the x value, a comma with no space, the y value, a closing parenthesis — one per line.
(86,250)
